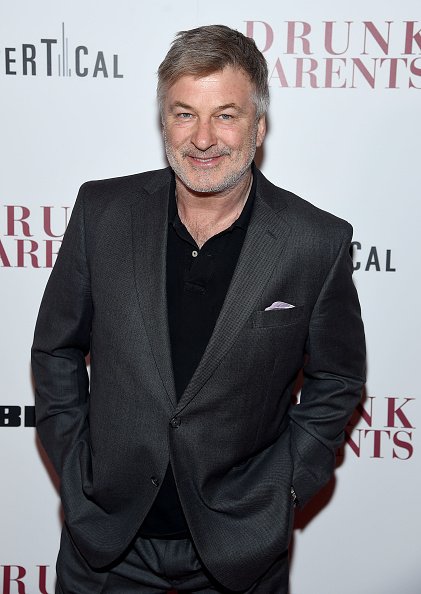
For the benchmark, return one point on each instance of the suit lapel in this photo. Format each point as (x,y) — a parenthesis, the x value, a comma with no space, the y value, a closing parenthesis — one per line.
(149,229)
(265,239)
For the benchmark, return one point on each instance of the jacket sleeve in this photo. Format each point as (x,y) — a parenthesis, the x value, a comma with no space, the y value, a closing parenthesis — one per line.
(334,376)
(61,342)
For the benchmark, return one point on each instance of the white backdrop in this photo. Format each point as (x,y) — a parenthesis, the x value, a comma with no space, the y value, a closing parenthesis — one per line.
(344,129)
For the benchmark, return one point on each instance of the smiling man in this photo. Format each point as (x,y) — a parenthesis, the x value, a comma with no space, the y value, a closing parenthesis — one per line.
(211,141)
(200,291)
(211,131)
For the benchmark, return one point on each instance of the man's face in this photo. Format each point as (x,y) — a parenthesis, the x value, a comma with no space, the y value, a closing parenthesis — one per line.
(210,129)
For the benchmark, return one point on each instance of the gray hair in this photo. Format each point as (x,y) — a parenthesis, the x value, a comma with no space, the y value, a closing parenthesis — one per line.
(209,49)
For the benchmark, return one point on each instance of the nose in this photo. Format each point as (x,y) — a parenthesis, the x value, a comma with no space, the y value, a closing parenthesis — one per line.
(203,136)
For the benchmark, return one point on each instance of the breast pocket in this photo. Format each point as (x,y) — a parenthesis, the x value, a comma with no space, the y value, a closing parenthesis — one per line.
(277,317)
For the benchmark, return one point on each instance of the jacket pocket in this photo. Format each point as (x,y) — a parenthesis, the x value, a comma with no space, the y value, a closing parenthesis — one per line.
(277,317)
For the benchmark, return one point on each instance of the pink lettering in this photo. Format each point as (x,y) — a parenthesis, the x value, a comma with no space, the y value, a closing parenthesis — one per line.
(12,220)
(393,412)
(329,37)
(8,579)
(410,37)
(382,42)
(292,36)
(268,33)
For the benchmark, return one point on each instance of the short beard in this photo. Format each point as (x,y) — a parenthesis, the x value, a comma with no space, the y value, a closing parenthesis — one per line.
(205,186)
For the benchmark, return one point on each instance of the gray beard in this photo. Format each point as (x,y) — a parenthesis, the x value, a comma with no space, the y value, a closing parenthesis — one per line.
(228,182)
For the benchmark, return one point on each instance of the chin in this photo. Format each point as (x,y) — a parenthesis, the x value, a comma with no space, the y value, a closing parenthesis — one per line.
(202,184)
(202,188)
(208,188)
(211,183)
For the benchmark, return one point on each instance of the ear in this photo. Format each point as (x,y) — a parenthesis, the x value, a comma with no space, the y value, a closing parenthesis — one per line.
(261,130)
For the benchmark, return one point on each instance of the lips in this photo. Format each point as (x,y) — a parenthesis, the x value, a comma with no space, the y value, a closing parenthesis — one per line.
(204,161)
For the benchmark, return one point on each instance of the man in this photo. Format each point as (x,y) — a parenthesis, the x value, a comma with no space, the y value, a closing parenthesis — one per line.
(200,292)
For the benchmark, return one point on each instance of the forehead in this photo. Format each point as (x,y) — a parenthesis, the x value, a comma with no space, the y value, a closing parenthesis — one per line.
(230,85)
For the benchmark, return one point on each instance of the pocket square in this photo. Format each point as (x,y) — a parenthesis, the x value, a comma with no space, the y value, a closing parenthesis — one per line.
(279,305)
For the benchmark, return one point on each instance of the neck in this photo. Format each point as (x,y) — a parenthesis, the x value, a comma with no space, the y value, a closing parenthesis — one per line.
(206,214)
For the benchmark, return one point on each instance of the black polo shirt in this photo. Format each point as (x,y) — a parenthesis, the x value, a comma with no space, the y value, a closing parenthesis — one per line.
(197,282)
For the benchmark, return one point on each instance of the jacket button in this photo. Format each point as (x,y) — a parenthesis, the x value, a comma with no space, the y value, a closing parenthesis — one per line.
(175,422)
(155,481)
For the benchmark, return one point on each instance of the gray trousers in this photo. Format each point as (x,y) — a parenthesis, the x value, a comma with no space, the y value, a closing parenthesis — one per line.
(154,566)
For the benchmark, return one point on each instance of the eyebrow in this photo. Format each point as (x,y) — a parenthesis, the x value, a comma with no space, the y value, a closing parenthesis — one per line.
(229,106)
(218,108)
(182,105)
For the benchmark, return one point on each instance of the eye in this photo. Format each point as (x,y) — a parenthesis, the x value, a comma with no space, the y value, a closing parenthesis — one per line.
(184,116)
(225,116)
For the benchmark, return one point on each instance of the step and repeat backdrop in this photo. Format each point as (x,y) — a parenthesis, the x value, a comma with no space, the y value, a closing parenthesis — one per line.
(77,92)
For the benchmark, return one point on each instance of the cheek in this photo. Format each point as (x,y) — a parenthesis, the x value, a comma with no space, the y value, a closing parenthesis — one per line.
(175,136)
(242,139)
(232,138)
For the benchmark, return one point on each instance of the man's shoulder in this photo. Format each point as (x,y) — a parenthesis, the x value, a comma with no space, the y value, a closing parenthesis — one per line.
(300,214)
(127,186)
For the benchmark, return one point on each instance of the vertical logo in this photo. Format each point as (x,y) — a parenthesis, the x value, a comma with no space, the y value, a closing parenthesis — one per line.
(58,57)
(374,258)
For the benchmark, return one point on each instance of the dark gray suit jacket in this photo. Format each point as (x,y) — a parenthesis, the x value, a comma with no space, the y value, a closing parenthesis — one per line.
(236,445)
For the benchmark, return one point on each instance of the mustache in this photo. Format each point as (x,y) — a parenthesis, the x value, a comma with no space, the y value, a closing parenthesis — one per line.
(206,154)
